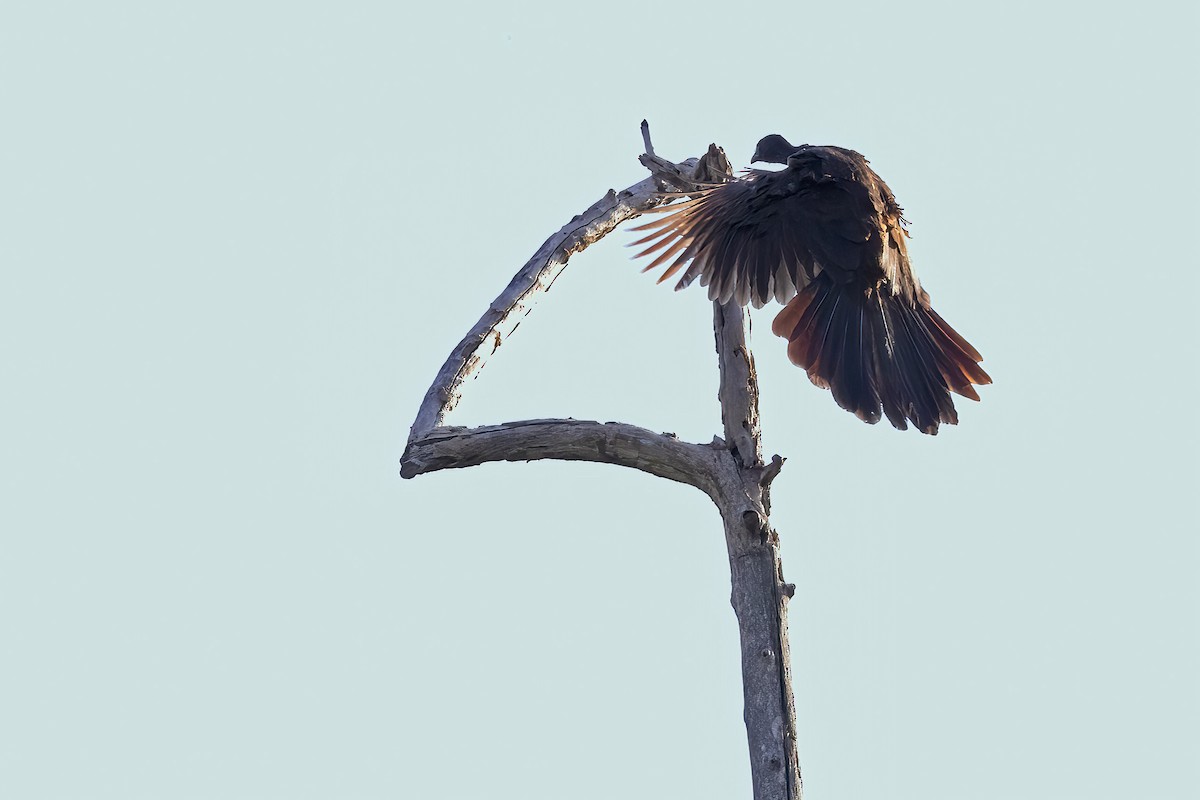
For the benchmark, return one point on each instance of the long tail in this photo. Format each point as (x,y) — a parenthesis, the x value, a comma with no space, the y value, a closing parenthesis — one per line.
(880,354)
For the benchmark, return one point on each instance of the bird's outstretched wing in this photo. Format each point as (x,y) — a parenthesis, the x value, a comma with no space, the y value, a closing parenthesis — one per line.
(826,237)
(768,234)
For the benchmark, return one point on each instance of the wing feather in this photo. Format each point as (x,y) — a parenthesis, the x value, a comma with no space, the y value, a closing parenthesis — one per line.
(825,237)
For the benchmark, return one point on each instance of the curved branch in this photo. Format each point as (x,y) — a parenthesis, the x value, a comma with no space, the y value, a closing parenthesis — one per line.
(660,454)
(538,274)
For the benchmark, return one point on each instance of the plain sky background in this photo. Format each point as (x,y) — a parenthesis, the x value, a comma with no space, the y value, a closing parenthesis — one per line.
(238,239)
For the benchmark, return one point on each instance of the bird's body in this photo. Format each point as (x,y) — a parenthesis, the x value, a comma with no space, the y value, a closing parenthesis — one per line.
(826,237)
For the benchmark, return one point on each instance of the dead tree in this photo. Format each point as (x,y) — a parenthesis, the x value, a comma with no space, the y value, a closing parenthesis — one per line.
(730,470)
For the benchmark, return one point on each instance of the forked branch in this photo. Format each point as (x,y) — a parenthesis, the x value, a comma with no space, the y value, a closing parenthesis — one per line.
(730,470)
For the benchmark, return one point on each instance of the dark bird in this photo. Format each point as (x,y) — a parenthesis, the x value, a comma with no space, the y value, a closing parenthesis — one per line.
(826,237)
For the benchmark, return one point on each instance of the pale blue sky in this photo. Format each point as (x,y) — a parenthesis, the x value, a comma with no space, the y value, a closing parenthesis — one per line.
(237,240)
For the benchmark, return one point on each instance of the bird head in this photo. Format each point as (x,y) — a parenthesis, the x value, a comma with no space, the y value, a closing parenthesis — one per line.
(773,149)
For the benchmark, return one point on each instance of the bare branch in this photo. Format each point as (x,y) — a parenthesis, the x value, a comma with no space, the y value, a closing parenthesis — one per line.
(759,596)
(660,454)
(538,274)
(738,390)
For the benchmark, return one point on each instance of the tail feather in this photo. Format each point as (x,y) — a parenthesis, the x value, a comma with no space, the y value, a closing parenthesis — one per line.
(916,362)
(814,352)
(879,331)
(879,354)
(959,357)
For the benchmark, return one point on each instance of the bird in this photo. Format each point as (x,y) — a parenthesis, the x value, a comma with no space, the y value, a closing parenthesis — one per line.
(825,238)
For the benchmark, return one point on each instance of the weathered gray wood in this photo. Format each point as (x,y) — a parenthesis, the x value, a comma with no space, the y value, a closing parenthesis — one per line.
(730,470)
(759,596)
(506,311)
(660,454)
